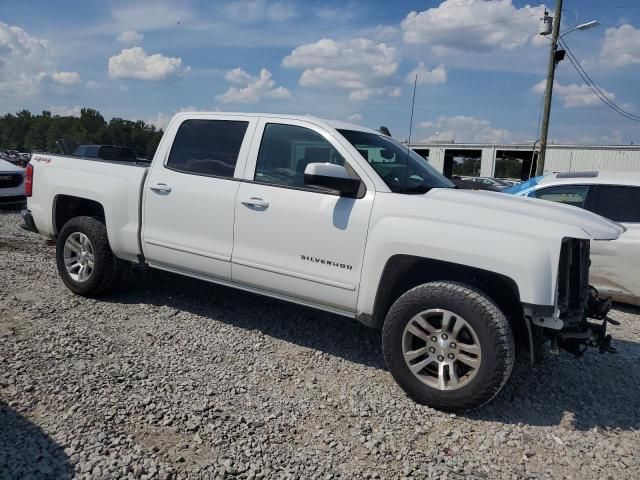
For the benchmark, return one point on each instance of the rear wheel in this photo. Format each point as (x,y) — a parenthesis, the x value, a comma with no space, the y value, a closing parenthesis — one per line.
(448,346)
(84,258)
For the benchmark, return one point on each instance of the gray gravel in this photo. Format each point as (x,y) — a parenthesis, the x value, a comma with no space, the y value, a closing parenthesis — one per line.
(175,378)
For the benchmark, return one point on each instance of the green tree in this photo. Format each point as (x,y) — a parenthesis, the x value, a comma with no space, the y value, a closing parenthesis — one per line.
(40,132)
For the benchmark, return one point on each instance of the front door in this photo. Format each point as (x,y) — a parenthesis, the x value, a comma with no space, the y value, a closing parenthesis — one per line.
(293,239)
(189,202)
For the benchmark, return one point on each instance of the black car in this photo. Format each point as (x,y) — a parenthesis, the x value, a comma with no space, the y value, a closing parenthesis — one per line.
(106,152)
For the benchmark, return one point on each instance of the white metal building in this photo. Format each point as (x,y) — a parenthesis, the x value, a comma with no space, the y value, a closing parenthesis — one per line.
(491,160)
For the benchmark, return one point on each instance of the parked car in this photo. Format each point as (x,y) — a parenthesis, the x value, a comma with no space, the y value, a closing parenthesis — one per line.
(15,157)
(11,183)
(465,183)
(615,266)
(106,152)
(341,218)
(496,183)
(511,181)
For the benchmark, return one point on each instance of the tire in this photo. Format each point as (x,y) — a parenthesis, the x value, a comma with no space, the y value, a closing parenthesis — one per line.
(485,340)
(106,269)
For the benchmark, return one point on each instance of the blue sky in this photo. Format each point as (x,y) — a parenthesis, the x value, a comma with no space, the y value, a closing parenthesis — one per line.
(479,63)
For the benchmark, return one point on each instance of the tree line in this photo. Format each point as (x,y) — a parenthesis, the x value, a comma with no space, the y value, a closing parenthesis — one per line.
(27,132)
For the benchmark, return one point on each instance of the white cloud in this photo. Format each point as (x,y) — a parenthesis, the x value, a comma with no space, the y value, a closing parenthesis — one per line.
(358,65)
(613,138)
(329,13)
(251,11)
(162,119)
(136,63)
(130,37)
(26,65)
(366,93)
(473,25)
(427,77)
(150,15)
(377,59)
(60,78)
(621,46)
(573,95)
(65,111)
(321,77)
(280,11)
(237,75)
(22,58)
(252,89)
(461,128)
(385,33)
(355,118)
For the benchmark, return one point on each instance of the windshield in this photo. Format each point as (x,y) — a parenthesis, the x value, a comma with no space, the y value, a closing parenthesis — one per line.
(402,169)
(532,182)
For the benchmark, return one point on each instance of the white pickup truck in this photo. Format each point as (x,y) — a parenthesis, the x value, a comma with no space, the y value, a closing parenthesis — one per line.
(341,218)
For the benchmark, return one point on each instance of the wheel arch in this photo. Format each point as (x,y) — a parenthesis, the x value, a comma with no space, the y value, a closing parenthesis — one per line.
(403,272)
(66,207)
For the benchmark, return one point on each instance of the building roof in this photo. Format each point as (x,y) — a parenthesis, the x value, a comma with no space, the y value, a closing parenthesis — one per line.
(519,146)
(600,178)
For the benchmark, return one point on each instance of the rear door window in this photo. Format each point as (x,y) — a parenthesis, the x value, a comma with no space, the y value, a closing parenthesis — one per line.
(575,195)
(618,203)
(207,147)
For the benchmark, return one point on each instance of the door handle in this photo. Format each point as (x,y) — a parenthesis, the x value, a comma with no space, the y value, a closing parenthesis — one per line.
(256,203)
(161,188)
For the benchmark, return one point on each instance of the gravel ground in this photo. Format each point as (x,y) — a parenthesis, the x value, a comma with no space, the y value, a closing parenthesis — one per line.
(176,378)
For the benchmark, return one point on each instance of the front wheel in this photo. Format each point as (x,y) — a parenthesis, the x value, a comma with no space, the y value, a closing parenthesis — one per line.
(84,258)
(448,346)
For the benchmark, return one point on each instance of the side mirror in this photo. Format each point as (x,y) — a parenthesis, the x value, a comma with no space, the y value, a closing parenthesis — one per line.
(331,177)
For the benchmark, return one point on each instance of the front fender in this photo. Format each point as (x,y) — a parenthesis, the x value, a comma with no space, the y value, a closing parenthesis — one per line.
(531,262)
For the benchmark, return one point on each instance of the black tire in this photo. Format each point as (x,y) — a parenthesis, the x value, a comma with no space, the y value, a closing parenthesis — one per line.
(107,268)
(493,333)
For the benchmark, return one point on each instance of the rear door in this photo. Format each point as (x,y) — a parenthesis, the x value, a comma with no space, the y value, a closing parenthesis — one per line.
(190,194)
(615,265)
(293,239)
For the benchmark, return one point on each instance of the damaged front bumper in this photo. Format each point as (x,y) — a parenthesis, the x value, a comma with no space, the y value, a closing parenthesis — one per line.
(573,333)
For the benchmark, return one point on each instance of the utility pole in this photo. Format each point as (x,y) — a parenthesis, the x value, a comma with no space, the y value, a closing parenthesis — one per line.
(551,70)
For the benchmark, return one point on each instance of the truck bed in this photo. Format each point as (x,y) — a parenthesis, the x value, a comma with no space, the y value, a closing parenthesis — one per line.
(114,185)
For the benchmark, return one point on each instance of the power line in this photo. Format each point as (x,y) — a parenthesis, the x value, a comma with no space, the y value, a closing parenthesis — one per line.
(590,80)
(602,96)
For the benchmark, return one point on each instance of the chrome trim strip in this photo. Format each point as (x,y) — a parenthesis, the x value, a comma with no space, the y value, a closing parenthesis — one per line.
(188,250)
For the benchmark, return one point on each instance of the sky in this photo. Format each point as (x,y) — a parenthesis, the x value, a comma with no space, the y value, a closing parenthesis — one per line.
(480,65)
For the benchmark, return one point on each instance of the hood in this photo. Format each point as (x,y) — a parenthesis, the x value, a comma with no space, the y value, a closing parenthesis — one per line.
(8,167)
(491,207)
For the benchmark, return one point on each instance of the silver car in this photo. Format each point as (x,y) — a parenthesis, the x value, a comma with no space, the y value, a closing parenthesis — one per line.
(615,266)
(492,182)
(11,183)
